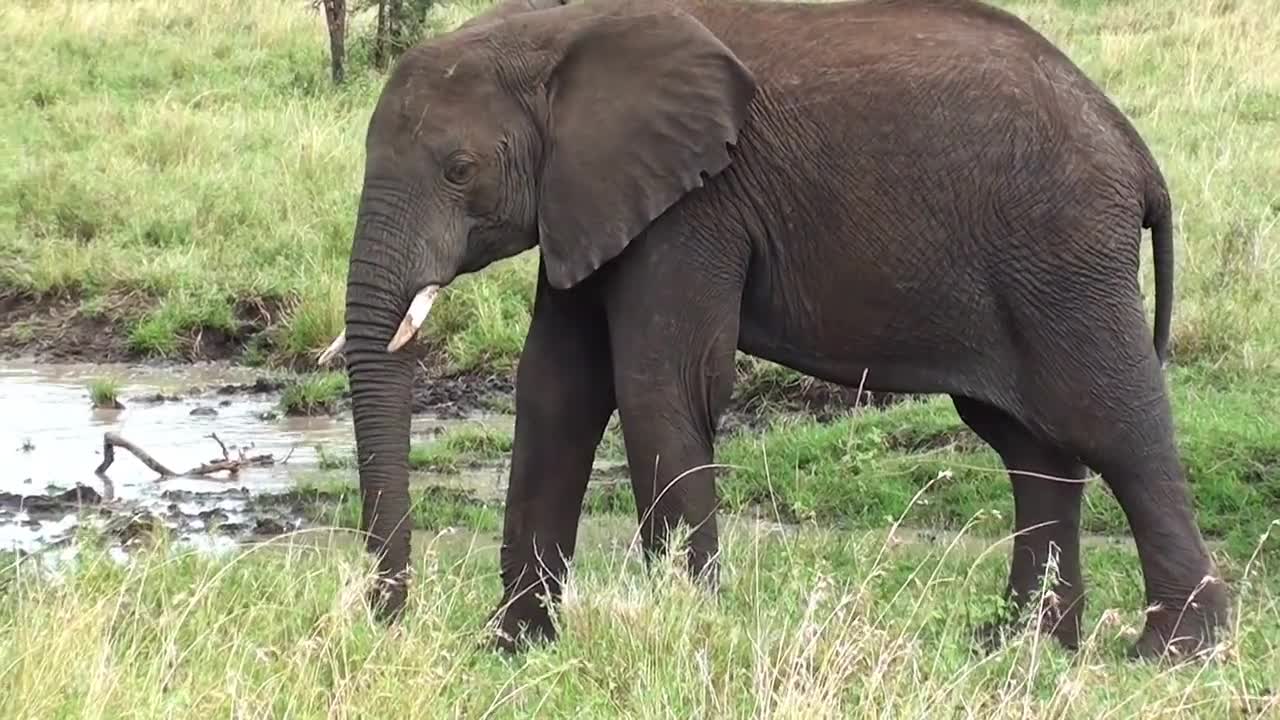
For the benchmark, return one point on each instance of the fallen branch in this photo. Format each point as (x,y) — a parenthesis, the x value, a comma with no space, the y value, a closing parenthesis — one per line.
(110,441)
(228,464)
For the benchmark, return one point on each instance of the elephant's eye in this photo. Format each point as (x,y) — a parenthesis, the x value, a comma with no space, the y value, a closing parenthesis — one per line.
(459,170)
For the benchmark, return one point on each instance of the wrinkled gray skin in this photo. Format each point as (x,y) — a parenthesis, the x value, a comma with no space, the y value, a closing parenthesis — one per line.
(926,190)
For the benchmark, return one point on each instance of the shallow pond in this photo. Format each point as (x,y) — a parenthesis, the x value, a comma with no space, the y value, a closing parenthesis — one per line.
(51,441)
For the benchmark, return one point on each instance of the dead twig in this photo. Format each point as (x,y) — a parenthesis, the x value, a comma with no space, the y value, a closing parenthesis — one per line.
(228,464)
(214,436)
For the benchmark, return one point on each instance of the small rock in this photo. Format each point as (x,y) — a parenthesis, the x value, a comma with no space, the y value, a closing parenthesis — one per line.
(268,526)
(129,529)
(261,385)
(159,397)
(268,416)
(188,496)
(225,403)
(81,494)
(204,411)
(214,515)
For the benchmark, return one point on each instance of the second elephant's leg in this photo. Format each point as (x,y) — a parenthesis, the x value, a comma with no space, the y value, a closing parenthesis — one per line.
(564,397)
(1046,520)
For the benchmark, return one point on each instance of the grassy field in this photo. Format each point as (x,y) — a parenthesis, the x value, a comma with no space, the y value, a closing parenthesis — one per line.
(809,624)
(175,171)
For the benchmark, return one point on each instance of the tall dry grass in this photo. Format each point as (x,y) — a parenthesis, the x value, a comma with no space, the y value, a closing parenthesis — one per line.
(810,623)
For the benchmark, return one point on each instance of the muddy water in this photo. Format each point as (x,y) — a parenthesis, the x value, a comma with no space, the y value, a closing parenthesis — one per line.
(51,443)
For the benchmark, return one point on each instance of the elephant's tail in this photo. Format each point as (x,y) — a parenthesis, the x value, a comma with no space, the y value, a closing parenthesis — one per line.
(1159,217)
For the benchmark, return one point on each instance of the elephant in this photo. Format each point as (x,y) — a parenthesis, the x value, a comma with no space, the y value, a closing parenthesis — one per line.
(918,196)
(507,8)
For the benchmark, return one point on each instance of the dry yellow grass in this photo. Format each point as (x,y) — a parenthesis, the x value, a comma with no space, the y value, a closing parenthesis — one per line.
(809,624)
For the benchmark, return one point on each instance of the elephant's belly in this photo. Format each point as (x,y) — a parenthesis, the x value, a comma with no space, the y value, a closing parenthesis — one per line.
(903,339)
(871,373)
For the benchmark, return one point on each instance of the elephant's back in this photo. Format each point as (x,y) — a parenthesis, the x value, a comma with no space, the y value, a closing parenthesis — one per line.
(960,55)
(916,82)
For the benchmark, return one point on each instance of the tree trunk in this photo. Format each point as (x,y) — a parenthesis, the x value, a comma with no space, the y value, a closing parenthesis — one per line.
(335,13)
(390,29)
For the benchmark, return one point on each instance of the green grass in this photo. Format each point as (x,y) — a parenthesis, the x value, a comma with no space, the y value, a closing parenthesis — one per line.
(460,448)
(862,469)
(315,393)
(336,503)
(808,624)
(171,163)
(457,448)
(104,392)
(194,155)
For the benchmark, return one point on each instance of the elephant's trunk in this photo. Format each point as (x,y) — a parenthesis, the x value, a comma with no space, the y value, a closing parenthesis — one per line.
(381,385)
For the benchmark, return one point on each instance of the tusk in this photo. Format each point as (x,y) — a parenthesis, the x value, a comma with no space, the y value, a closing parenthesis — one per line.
(413,319)
(334,348)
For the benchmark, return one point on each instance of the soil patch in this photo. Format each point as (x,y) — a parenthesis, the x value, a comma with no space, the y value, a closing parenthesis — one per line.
(233,515)
(56,328)
(59,327)
(913,440)
(754,408)
(456,395)
(53,505)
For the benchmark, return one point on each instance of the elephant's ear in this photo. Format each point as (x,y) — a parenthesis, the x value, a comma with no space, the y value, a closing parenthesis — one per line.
(642,101)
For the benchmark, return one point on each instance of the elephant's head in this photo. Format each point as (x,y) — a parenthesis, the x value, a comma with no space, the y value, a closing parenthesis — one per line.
(570,129)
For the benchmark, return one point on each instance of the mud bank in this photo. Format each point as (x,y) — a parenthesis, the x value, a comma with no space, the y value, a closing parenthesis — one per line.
(29,523)
(59,329)
(63,328)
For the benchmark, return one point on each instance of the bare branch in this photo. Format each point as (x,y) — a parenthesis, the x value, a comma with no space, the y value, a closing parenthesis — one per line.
(111,440)
(214,436)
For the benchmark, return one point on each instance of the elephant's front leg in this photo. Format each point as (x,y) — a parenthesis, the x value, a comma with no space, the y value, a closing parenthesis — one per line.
(674,377)
(564,397)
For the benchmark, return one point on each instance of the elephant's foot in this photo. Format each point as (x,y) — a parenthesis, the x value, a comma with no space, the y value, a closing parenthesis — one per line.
(387,598)
(522,622)
(1182,631)
(1056,621)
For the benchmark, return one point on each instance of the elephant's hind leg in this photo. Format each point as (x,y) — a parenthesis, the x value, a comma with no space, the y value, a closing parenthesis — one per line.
(1100,394)
(1186,600)
(1046,522)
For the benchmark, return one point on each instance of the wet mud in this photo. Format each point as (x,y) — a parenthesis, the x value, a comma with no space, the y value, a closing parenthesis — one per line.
(58,328)
(35,523)
(181,412)
(183,416)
